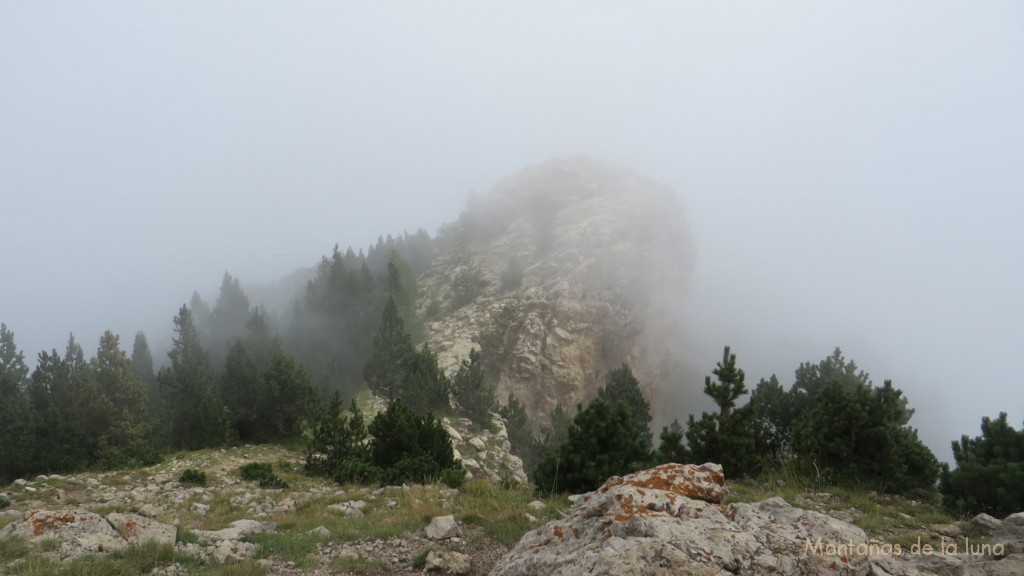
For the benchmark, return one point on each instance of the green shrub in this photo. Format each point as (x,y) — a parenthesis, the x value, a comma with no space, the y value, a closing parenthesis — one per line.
(407,447)
(603,441)
(989,476)
(466,285)
(338,449)
(453,477)
(193,477)
(255,471)
(263,473)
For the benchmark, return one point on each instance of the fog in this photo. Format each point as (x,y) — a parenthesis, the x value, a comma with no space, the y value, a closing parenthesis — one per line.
(852,170)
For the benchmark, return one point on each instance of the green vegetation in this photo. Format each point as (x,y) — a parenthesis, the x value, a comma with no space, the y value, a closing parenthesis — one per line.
(727,436)
(12,549)
(989,476)
(602,441)
(471,390)
(467,285)
(403,447)
(193,477)
(263,473)
(622,386)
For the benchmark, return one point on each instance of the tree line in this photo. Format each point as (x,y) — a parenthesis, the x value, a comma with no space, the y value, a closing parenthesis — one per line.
(235,373)
(833,426)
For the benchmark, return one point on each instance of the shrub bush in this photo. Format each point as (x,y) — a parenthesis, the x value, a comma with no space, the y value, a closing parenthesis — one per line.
(603,441)
(989,474)
(407,447)
(466,285)
(263,473)
(193,477)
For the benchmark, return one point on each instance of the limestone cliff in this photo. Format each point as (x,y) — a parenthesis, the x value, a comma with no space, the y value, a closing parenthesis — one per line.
(564,271)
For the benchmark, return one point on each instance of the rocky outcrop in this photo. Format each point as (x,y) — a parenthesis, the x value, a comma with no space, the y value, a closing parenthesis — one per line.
(81,531)
(667,520)
(604,257)
(485,452)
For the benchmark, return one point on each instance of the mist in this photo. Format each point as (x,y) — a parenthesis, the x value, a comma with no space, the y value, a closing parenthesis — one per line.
(851,171)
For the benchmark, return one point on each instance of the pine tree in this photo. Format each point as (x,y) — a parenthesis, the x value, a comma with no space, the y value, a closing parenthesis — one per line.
(287,398)
(125,439)
(622,386)
(670,447)
(425,388)
(339,447)
(409,447)
(16,415)
(241,388)
(602,441)
(772,417)
(989,474)
(728,436)
(227,320)
(142,367)
(473,394)
(196,415)
(392,353)
(729,386)
(59,446)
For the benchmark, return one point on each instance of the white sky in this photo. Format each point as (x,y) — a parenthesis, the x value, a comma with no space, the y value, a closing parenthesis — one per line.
(852,170)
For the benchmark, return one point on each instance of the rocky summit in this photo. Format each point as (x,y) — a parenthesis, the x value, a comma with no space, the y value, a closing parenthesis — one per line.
(566,270)
(670,520)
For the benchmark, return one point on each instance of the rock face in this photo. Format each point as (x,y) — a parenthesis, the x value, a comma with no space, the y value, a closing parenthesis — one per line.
(668,520)
(603,256)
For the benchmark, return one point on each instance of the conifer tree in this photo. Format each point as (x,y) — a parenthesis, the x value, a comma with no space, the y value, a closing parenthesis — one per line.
(602,441)
(670,446)
(989,473)
(242,390)
(59,446)
(409,447)
(728,436)
(142,367)
(16,415)
(338,448)
(126,408)
(196,415)
(392,354)
(227,320)
(287,398)
(622,386)
(424,386)
(473,394)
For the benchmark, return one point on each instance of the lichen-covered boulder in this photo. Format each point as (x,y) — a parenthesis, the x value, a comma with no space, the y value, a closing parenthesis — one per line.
(668,520)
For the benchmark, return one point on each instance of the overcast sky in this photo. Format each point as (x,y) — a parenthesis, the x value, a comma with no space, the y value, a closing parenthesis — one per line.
(852,170)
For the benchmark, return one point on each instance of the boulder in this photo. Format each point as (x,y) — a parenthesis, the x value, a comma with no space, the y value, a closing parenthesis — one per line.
(666,520)
(1010,534)
(236,530)
(136,529)
(986,522)
(352,509)
(447,562)
(442,528)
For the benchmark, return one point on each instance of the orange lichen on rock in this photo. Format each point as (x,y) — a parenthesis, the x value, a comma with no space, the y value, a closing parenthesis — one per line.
(52,522)
(705,482)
